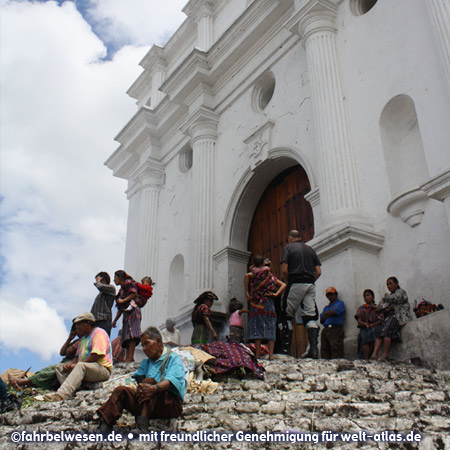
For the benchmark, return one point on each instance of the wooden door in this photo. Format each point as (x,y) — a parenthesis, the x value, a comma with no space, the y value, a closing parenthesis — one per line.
(282,208)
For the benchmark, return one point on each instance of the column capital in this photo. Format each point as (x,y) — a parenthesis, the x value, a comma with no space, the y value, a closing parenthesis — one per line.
(155,59)
(313,16)
(195,9)
(150,175)
(202,124)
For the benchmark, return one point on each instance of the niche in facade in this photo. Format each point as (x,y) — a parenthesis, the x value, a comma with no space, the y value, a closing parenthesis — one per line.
(404,156)
(185,158)
(176,285)
(263,91)
(360,7)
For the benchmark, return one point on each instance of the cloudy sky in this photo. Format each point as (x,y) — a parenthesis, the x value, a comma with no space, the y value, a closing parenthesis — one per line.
(64,68)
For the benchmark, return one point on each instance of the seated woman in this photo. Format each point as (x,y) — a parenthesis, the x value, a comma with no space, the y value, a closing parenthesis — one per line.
(396,310)
(46,378)
(200,318)
(160,392)
(369,324)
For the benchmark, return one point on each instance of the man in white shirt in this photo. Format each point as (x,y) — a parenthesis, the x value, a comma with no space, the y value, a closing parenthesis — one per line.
(171,336)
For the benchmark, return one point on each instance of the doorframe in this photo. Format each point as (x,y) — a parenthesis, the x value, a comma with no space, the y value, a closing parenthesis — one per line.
(248,192)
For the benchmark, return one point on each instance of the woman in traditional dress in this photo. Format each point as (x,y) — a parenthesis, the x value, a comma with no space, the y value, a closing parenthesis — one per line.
(260,290)
(369,324)
(126,305)
(201,318)
(396,310)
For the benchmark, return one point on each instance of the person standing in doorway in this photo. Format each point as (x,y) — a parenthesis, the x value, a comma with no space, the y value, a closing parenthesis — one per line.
(300,266)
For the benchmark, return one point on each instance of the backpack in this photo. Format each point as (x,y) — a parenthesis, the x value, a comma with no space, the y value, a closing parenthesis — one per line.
(145,291)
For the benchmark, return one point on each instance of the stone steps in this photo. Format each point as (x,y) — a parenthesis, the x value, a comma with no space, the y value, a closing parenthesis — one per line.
(302,395)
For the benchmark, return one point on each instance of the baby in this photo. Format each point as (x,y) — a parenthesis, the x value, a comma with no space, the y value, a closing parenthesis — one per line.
(145,289)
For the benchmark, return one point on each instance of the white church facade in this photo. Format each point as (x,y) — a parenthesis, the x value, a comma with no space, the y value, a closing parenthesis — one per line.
(257,117)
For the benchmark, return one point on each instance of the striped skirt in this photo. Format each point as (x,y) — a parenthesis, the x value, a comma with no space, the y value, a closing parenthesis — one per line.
(131,326)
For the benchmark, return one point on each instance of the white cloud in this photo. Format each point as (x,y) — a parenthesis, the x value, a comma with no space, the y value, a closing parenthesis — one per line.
(137,21)
(34,326)
(63,215)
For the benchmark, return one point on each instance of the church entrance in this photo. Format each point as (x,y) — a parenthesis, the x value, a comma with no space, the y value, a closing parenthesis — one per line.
(282,208)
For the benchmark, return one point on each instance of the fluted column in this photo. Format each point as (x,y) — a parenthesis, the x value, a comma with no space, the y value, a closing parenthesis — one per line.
(339,188)
(205,32)
(202,12)
(439,11)
(202,127)
(150,180)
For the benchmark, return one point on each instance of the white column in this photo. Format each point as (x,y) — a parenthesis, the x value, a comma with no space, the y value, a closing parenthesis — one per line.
(205,32)
(339,188)
(158,78)
(203,129)
(202,12)
(132,244)
(150,180)
(439,11)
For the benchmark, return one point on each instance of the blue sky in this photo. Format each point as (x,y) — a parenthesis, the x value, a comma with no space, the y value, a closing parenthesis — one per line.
(64,71)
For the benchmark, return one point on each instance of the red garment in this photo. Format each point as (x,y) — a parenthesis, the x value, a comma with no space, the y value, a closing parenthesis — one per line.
(145,290)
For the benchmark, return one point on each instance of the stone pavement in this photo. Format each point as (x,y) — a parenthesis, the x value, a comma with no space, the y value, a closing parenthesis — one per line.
(301,395)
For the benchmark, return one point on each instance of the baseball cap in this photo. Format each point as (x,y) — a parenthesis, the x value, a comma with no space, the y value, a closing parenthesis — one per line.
(85,316)
(331,290)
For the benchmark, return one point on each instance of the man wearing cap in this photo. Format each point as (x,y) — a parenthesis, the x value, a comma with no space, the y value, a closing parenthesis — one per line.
(332,318)
(300,267)
(92,363)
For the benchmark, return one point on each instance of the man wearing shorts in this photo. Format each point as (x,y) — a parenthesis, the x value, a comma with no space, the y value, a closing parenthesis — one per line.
(300,267)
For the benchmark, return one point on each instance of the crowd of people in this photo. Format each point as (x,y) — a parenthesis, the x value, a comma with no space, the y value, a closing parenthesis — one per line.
(160,379)
(379,325)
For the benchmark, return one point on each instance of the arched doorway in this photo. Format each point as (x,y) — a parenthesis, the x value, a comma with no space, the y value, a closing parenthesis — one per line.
(281,208)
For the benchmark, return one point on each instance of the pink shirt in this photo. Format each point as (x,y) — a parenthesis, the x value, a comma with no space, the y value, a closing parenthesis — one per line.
(236,319)
(97,342)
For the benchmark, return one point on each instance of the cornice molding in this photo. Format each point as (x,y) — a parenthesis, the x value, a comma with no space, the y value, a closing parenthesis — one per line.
(141,86)
(145,118)
(313,197)
(202,123)
(198,8)
(150,174)
(409,206)
(193,70)
(207,67)
(229,253)
(345,236)
(438,187)
(154,59)
(313,16)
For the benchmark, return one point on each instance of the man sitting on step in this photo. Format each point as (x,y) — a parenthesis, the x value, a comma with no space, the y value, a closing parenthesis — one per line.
(93,362)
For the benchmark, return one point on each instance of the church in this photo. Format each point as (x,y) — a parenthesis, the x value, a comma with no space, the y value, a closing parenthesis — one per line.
(331,117)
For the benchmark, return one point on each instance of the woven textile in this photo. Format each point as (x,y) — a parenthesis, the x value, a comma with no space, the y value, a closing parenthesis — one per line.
(232,356)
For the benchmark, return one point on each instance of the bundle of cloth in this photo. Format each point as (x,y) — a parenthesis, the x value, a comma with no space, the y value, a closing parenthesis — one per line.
(231,357)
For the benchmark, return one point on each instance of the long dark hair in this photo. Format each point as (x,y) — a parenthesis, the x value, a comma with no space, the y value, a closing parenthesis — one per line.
(200,300)
(122,275)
